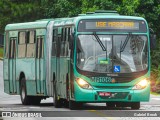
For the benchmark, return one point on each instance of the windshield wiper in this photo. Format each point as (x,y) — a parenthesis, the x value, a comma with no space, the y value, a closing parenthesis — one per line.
(99,41)
(102,45)
(122,47)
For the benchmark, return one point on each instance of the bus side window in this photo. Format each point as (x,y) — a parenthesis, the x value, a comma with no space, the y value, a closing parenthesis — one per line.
(12,48)
(42,46)
(22,44)
(31,44)
(54,42)
(6,45)
(70,44)
(58,46)
(62,41)
(39,47)
(67,33)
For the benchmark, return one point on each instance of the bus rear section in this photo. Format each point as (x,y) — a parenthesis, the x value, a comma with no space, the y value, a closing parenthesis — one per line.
(24,61)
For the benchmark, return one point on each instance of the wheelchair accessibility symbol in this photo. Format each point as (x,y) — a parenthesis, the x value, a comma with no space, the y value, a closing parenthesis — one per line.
(117,69)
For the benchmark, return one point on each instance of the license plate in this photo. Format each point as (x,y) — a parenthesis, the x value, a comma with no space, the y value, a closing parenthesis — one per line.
(104,94)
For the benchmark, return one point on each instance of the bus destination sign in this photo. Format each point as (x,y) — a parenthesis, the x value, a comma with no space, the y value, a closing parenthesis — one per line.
(121,25)
(112,25)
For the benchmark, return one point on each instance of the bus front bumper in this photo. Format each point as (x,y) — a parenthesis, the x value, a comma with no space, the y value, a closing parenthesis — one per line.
(106,95)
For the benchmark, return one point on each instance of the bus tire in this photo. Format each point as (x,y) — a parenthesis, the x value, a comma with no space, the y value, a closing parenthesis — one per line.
(26,100)
(56,100)
(66,103)
(110,104)
(135,105)
(73,105)
(36,100)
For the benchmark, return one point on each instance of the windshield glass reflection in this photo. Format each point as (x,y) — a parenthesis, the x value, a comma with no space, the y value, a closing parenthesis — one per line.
(112,53)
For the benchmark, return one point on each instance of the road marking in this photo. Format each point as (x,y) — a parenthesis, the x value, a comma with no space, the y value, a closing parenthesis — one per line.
(155,98)
(100,114)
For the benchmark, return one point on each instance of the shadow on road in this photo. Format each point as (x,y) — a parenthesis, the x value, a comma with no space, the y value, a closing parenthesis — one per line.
(87,106)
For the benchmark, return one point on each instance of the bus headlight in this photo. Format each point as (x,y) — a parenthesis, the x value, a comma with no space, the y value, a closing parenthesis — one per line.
(83,84)
(141,85)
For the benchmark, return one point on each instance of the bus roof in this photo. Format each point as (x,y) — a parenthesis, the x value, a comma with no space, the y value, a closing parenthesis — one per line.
(113,16)
(99,14)
(27,25)
(68,21)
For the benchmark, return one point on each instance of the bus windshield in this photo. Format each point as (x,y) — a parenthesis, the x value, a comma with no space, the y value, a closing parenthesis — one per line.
(112,53)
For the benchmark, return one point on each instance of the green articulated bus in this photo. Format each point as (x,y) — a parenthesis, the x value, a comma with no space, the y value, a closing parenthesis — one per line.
(97,57)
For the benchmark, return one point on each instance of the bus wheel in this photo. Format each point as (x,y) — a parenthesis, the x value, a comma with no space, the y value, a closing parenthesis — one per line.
(110,104)
(56,100)
(36,100)
(135,105)
(73,105)
(26,100)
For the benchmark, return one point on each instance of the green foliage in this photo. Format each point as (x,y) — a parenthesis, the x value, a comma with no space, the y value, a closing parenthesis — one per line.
(60,8)
(13,11)
(128,7)
(91,6)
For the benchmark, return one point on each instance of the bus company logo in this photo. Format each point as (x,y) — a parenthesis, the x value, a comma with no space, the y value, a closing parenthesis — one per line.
(6,114)
(103,79)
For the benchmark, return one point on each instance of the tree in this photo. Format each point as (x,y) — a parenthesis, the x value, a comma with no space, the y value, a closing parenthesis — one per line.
(60,8)
(13,11)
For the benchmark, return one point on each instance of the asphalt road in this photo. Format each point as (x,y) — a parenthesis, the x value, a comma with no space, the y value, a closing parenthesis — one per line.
(90,111)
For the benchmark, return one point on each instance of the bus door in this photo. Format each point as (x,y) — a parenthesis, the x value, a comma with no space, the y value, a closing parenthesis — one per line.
(39,64)
(12,66)
(64,62)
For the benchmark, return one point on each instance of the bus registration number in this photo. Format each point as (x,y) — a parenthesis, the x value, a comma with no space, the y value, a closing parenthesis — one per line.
(104,94)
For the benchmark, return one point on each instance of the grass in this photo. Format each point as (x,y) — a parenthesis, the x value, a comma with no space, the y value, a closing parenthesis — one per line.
(154,93)
(1,52)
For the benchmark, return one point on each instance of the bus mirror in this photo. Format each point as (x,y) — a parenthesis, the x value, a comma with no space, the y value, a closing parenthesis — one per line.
(71,39)
(152,39)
